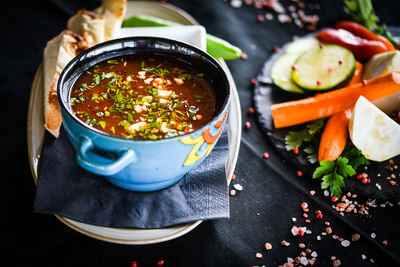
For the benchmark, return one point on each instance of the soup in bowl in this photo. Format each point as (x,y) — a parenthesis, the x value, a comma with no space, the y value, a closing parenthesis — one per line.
(143,111)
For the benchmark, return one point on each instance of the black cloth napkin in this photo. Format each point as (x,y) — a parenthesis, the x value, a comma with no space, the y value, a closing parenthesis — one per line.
(66,189)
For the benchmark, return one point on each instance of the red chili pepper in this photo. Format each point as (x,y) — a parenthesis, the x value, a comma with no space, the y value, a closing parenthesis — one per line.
(361,31)
(361,48)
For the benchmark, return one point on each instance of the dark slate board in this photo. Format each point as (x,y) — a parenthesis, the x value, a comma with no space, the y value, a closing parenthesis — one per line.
(266,94)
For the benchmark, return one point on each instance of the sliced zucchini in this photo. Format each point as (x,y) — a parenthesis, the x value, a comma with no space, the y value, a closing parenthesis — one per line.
(281,73)
(302,45)
(325,68)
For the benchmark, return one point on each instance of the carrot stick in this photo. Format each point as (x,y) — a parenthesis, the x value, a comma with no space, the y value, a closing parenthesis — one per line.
(334,136)
(326,104)
(357,77)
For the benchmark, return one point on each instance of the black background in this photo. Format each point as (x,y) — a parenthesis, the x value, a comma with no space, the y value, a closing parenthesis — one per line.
(261,213)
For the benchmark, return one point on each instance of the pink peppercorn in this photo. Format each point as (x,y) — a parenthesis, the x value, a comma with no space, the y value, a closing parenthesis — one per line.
(266,155)
(300,232)
(247,125)
(318,82)
(134,264)
(233,177)
(299,173)
(333,198)
(160,262)
(251,110)
(253,81)
(296,150)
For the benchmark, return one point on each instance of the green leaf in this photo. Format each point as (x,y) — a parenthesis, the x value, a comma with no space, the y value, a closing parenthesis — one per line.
(315,126)
(102,124)
(296,138)
(325,168)
(312,152)
(356,158)
(96,80)
(334,181)
(343,168)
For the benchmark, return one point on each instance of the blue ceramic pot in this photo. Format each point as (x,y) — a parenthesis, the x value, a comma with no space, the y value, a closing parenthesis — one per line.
(143,165)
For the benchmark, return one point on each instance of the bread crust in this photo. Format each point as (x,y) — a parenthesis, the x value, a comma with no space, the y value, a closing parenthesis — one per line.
(58,52)
(84,29)
(88,22)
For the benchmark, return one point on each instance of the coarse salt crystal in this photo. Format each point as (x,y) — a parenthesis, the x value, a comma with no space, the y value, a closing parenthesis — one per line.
(294,219)
(269,16)
(238,187)
(345,243)
(277,7)
(326,193)
(295,230)
(373,235)
(283,18)
(314,254)
(363,256)
(289,260)
(333,258)
(236,3)
(304,261)
(318,237)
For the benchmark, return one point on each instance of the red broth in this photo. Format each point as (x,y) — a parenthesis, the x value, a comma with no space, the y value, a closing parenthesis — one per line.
(143,98)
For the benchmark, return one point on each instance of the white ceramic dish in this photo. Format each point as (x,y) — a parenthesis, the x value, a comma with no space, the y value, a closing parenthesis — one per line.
(36,133)
(193,34)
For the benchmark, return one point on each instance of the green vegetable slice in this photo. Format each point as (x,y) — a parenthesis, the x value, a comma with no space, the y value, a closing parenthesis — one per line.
(302,45)
(281,73)
(325,68)
(216,47)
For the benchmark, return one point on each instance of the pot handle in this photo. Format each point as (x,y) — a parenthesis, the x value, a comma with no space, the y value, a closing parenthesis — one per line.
(101,168)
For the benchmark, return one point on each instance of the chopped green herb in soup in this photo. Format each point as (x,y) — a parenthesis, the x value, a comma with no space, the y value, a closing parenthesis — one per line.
(143,98)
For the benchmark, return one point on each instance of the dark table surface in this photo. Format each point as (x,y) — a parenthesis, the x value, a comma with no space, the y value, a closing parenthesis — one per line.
(261,213)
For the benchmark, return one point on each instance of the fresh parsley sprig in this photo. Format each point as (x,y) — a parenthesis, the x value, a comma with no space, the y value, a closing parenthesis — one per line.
(309,137)
(333,173)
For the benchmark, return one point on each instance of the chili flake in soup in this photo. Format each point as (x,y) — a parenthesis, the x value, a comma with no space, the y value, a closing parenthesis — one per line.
(143,98)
